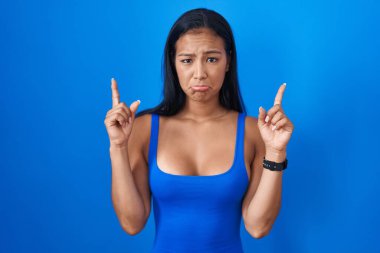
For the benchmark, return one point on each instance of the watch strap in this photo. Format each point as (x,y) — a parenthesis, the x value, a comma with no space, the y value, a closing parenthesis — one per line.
(273,166)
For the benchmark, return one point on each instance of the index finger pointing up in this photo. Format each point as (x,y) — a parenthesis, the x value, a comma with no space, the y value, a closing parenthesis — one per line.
(280,93)
(115,93)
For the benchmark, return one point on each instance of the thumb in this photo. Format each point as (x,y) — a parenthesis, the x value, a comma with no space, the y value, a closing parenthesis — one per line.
(261,117)
(134,107)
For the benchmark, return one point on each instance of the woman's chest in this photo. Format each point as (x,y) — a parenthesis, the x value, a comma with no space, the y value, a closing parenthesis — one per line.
(200,151)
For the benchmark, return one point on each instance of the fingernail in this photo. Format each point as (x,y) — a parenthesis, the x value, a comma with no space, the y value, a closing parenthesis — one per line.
(284,83)
(139,101)
(112,78)
(267,118)
(274,127)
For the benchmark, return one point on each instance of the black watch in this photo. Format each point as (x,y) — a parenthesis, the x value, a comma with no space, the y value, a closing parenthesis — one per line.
(273,166)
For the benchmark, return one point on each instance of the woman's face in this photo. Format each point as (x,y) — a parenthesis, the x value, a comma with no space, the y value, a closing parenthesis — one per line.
(201,60)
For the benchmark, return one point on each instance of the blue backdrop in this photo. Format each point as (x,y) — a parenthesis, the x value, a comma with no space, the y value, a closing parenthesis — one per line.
(56,62)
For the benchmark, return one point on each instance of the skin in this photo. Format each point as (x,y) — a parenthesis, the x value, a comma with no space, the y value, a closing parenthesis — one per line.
(196,65)
(202,115)
(190,140)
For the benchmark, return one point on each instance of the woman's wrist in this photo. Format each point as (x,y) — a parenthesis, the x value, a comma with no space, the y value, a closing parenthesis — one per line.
(118,146)
(275,155)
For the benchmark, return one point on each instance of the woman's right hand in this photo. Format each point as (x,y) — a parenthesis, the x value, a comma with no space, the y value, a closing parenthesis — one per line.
(119,119)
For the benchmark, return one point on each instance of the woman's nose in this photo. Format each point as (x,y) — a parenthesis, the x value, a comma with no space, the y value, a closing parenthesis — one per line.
(200,71)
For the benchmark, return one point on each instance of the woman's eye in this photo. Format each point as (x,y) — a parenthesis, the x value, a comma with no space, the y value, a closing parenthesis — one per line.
(186,61)
(210,59)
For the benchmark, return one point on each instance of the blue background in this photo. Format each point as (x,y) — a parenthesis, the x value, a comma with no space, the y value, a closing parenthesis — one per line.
(56,62)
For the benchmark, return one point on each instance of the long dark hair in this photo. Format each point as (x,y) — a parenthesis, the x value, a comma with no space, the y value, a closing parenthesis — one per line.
(174,97)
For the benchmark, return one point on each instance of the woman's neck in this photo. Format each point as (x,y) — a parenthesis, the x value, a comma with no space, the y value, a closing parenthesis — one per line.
(202,110)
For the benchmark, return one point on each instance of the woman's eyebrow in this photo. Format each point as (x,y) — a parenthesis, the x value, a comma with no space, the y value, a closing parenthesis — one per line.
(207,52)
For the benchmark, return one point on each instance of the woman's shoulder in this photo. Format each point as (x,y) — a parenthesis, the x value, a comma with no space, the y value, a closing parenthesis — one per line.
(251,128)
(141,119)
(251,120)
(140,133)
(141,125)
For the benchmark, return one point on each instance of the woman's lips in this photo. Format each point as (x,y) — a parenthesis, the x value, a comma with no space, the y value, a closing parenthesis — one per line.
(200,88)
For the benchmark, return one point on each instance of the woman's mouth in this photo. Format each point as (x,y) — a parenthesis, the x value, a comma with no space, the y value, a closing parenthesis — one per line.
(200,88)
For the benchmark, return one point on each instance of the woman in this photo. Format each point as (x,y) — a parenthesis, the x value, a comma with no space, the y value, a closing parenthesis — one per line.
(197,153)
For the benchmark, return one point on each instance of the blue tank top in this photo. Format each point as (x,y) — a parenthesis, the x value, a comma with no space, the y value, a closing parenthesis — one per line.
(198,213)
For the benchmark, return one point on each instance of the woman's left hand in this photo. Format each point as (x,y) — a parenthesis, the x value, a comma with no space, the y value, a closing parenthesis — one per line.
(275,128)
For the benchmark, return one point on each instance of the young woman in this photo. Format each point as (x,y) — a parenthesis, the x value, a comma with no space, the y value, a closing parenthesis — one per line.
(202,161)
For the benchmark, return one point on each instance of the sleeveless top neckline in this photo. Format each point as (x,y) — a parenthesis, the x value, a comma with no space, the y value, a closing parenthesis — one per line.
(239,148)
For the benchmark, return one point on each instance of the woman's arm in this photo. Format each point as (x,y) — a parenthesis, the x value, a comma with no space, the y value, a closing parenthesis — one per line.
(275,130)
(125,197)
(264,207)
(130,189)
(262,201)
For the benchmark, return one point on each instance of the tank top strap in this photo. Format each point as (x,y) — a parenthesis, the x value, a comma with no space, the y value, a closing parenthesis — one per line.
(240,136)
(153,139)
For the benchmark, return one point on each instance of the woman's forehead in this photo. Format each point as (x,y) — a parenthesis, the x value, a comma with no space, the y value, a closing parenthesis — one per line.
(201,40)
